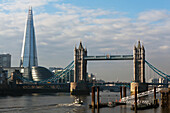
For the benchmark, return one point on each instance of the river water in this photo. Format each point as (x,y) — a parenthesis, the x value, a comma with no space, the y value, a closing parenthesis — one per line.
(62,103)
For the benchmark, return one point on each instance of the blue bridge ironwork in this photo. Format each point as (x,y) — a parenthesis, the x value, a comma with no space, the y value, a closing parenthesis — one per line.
(67,69)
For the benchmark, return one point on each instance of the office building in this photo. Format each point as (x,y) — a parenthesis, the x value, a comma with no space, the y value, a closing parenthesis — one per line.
(5,60)
(29,50)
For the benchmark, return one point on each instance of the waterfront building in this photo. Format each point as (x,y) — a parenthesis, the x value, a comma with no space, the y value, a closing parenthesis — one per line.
(5,60)
(23,70)
(91,78)
(3,78)
(162,80)
(154,80)
(29,50)
(37,73)
(40,73)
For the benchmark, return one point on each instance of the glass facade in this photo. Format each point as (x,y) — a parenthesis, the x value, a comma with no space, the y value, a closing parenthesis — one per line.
(29,52)
(40,73)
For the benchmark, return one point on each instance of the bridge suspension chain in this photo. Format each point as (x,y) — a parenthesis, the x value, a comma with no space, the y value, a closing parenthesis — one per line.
(60,75)
(160,73)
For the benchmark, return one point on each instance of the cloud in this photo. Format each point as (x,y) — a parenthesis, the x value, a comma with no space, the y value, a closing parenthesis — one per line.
(43,43)
(20,5)
(154,15)
(106,49)
(165,47)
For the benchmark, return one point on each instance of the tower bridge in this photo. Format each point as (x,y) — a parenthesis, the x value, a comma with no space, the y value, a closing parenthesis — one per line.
(138,57)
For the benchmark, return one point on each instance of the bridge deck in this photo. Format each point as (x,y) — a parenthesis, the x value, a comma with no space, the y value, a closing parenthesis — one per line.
(110,57)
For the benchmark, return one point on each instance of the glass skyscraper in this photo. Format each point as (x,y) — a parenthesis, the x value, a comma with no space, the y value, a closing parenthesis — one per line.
(29,52)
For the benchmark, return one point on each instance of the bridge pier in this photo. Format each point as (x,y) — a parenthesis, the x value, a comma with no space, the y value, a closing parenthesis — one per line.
(141,87)
(124,91)
(165,97)
(120,92)
(79,88)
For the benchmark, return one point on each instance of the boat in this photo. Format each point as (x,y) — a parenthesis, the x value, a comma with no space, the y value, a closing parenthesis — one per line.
(111,104)
(142,106)
(78,101)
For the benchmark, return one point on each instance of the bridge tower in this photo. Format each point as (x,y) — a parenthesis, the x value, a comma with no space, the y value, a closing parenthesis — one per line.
(79,85)
(139,68)
(80,65)
(139,63)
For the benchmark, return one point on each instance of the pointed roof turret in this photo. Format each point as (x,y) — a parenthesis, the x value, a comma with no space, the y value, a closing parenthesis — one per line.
(134,47)
(75,47)
(80,46)
(142,46)
(85,49)
(139,45)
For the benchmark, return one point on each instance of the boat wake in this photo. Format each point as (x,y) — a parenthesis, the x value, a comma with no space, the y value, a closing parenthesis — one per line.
(35,108)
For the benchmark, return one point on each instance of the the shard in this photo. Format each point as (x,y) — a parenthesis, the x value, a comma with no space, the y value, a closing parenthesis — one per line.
(29,52)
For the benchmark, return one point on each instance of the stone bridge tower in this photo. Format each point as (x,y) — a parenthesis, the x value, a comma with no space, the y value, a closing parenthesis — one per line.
(79,85)
(139,63)
(139,69)
(80,65)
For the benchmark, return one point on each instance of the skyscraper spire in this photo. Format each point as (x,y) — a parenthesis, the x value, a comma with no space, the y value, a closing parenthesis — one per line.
(29,52)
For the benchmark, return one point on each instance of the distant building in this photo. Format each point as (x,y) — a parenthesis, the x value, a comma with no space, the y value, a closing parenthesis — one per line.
(38,73)
(24,71)
(91,78)
(154,80)
(162,80)
(100,81)
(5,60)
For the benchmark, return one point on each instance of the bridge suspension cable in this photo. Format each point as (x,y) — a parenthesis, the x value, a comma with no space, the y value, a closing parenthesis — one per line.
(160,73)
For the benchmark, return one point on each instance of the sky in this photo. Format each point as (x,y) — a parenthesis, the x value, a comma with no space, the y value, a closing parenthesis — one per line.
(104,27)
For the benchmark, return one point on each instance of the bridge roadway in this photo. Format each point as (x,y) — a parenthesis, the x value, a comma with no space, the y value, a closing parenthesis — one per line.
(110,57)
(59,86)
(127,83)
(66,85)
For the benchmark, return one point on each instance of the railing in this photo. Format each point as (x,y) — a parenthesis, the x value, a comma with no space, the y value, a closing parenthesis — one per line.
(128,98)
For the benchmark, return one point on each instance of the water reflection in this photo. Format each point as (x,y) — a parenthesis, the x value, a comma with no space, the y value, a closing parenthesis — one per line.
(93,110)
(165,109)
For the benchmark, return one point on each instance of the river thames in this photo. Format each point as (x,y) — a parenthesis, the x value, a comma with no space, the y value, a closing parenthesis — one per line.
(62,103)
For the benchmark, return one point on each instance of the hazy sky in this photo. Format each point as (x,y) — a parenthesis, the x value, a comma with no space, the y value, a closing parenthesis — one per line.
(104,27)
